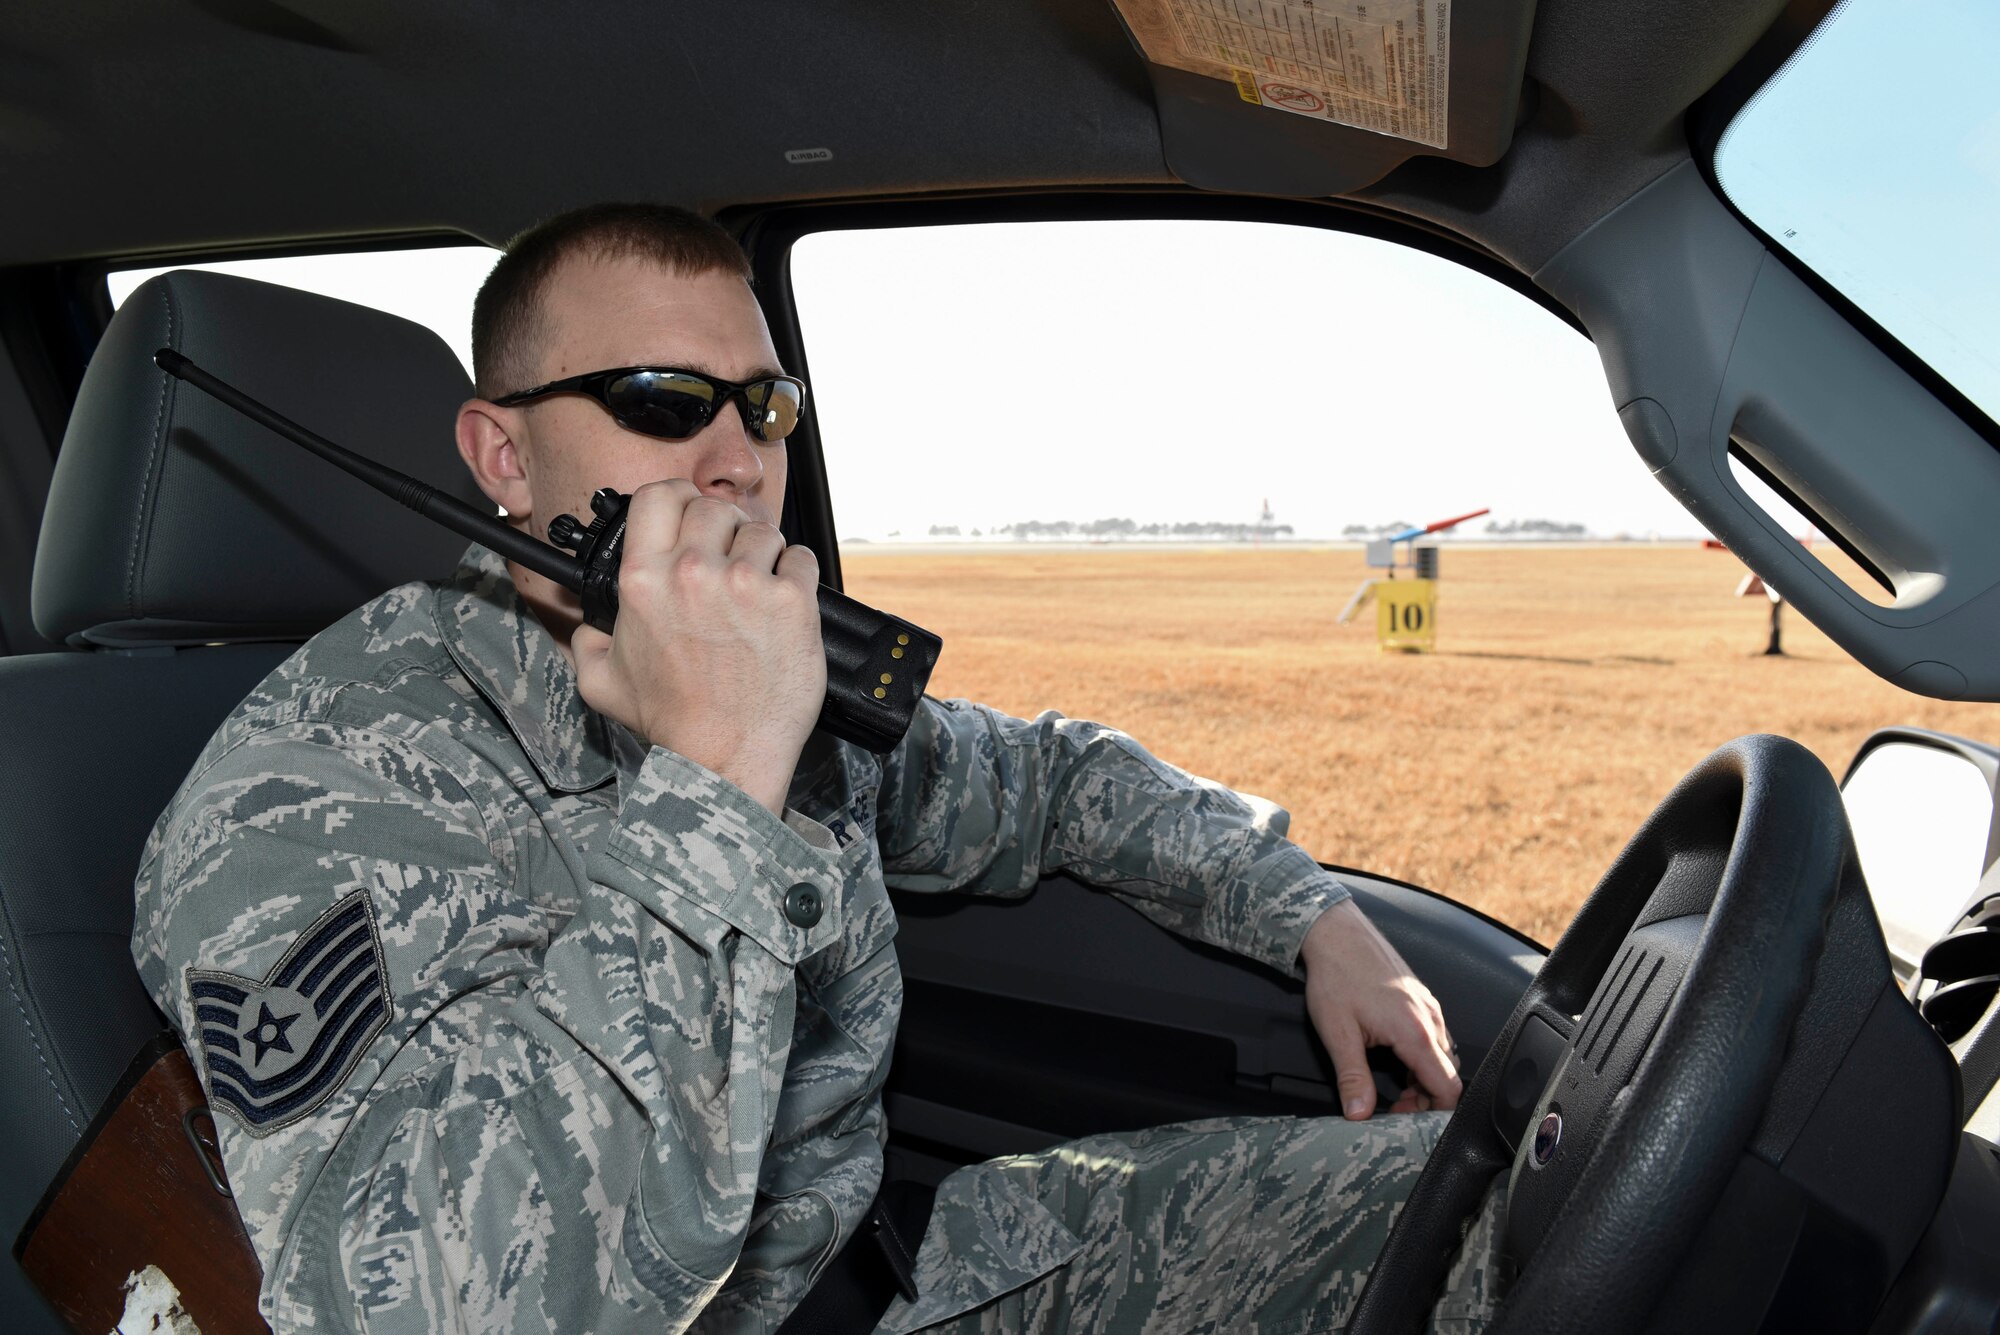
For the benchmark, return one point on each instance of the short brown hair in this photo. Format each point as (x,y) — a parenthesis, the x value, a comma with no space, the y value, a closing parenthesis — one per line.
(507,321)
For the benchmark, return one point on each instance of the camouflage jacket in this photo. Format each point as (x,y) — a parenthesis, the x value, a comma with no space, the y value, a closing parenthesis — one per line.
(516,1024)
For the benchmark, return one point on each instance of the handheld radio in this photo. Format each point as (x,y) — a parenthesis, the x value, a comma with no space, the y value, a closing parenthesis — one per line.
(876,665)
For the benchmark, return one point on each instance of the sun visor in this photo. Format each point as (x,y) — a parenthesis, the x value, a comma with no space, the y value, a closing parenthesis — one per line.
(1322,97)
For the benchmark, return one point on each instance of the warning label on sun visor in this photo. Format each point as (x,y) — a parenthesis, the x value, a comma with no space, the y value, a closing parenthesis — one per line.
(1381,65)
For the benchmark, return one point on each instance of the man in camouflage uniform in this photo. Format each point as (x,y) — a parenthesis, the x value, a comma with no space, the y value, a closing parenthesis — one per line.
(545,979)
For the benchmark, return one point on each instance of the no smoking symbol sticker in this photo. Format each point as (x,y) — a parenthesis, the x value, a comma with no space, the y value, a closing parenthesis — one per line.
(1293,98)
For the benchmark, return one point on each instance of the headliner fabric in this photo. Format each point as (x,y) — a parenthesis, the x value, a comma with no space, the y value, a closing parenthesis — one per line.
(173,520)
(419,122)
(131,127)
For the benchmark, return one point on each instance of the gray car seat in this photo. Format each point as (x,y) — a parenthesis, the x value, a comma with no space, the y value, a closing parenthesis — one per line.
(185,552)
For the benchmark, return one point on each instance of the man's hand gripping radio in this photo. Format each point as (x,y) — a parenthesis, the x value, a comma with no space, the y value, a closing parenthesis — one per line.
(876,665)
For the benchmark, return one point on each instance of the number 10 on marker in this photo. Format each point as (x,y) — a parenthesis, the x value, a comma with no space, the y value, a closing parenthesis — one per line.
(1406,614)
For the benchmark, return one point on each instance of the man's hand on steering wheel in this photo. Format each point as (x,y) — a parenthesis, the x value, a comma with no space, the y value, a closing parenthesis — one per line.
(1360,994)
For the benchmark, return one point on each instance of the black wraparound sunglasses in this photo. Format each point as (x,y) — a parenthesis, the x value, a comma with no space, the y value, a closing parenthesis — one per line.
(674,404)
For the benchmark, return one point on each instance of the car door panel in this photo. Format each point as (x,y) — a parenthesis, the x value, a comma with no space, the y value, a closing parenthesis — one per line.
(1037,1020)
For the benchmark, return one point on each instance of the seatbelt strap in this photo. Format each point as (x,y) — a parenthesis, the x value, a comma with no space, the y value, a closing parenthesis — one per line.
(902,1212)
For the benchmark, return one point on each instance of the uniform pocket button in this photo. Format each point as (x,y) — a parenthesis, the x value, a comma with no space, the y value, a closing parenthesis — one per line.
(803,905)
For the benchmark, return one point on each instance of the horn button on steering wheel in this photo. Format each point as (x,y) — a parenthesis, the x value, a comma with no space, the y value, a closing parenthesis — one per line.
(1530,1066)
(1609,1042)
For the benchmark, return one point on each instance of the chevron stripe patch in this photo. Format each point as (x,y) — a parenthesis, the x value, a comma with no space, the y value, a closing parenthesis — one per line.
(275,1048)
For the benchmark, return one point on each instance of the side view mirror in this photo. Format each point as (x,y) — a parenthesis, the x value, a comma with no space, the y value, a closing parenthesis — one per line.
(1922,806)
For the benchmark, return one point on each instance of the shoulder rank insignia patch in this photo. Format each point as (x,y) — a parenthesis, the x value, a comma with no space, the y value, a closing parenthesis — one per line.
(275,1048)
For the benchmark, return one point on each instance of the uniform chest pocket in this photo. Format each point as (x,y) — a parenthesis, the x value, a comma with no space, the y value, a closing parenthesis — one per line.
(850,997)
(868,921)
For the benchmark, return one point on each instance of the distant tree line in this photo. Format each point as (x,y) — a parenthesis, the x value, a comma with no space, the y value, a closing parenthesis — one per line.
(1534,528)
(1512,528)
(1045,530)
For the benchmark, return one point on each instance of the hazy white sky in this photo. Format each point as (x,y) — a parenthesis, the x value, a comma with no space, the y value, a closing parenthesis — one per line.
(1181,370)
(1167,371)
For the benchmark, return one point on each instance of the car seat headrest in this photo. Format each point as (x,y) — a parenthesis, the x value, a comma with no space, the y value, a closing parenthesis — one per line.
(173,520)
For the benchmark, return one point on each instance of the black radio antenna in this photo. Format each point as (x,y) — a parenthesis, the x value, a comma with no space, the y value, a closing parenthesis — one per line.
(876,664)
(426,500)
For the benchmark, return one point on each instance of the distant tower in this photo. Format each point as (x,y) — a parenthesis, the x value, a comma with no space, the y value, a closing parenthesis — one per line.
(1265,522)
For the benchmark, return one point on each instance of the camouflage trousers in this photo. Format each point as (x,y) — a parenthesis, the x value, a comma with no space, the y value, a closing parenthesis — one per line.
(1265,1225)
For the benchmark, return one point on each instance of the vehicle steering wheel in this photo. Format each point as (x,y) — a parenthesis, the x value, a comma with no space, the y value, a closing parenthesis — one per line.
(1664,1015)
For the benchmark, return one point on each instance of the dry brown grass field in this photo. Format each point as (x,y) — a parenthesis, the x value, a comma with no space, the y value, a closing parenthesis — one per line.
(1571,687)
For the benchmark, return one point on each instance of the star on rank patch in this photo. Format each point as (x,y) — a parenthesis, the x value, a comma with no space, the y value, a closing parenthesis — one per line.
(275,1048)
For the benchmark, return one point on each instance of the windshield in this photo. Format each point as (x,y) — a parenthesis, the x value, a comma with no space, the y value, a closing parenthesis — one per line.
(1873,156)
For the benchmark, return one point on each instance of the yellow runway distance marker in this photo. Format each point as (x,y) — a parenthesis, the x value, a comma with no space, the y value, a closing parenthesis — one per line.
(1406,615)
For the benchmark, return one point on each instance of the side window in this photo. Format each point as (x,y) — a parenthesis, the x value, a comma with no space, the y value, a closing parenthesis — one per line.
(433,286)
(1130,471)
